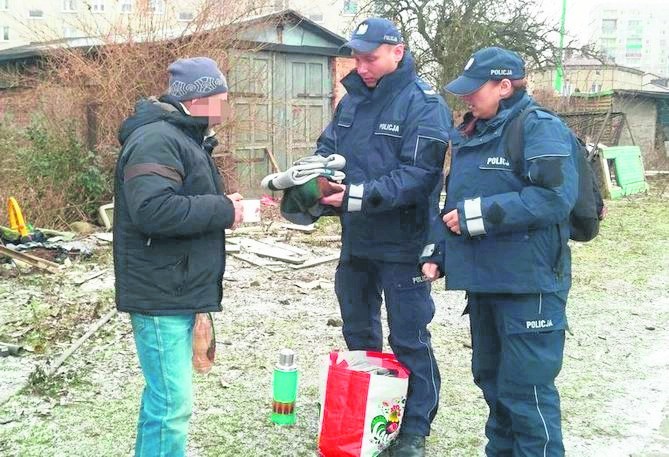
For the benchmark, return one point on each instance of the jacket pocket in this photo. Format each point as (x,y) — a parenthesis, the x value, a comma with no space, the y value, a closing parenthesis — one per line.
(534,337)
(164,273)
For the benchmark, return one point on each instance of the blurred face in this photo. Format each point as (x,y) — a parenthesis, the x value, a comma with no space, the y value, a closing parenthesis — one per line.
(215,107)
(484,103)
(375,65)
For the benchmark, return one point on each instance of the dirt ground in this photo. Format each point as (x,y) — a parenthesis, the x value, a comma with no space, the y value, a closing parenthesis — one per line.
(614,383)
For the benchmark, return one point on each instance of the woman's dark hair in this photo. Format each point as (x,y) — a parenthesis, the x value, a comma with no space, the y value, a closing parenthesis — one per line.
(469,123)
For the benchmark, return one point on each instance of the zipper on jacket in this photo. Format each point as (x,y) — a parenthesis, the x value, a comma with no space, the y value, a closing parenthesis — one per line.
(148,241)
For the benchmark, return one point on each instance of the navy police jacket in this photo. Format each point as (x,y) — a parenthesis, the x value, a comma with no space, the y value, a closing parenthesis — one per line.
(394,139)
(514,230)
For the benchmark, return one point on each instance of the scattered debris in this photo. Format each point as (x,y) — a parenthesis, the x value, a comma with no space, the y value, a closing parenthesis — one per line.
(88,278)
(104,236)
(313,263)
(55,235)
(7,349)
(106,213)
(259,262)
(335,322)
(301,228)
(286,246)
(31,260)
(83,228)
(94,328)
(272,251)
(268,200)
(327,238)
(309,285)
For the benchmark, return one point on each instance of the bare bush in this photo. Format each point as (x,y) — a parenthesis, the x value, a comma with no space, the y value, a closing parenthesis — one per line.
(97,82)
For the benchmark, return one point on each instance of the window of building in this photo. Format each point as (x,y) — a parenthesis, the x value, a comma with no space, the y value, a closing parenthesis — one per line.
(634,27)
(126,6)
(5,33)
(4,5)
(186,16)
(633,44)
(98,6)
(596,87)
(36,14)
(350,7)
(609,43)
(71,32)
(157,6)
(609,25)
(69,6)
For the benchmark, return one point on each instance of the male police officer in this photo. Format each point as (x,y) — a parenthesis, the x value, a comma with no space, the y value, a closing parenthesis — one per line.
(507,246)
(393,129)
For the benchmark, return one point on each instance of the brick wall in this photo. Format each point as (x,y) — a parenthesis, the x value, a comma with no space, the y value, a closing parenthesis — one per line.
(17,104)
(342,66)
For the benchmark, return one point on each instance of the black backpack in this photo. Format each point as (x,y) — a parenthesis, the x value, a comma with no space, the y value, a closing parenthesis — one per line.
(584,217)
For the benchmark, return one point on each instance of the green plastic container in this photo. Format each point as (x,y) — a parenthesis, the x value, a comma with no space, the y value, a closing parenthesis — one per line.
(628,167)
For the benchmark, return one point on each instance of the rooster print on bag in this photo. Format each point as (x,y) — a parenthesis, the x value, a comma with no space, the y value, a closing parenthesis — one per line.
(385,426)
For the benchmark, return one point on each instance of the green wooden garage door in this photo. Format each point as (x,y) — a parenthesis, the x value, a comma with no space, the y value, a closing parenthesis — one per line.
(281,102)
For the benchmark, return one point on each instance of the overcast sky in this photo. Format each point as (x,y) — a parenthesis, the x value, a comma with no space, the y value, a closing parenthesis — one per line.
(579,12)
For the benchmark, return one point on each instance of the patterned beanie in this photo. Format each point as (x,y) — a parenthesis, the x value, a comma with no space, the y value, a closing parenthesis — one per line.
(197,77)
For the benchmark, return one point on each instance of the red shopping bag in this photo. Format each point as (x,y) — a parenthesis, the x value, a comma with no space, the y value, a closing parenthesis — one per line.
(363,395)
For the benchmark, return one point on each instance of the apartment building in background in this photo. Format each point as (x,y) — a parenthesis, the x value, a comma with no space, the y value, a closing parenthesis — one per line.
(26,21)
(634,34)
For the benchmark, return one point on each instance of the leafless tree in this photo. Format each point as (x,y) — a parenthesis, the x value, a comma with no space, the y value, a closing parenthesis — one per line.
(442,34)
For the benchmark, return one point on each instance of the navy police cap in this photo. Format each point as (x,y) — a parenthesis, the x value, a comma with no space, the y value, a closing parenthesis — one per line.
(487,64)
(372,33)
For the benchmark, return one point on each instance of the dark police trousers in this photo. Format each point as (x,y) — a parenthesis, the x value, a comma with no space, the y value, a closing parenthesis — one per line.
(517,349)
(358,285)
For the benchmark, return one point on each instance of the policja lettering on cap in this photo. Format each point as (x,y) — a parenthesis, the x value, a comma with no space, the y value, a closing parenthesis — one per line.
(372,33)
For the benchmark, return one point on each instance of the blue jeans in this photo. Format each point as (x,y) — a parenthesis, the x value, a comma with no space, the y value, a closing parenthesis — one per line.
(164,349)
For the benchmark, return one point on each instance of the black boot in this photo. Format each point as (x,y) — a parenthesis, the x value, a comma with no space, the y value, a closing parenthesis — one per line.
(408,445)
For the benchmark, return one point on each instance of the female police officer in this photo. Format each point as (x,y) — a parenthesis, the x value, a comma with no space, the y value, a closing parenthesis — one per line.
(506,245)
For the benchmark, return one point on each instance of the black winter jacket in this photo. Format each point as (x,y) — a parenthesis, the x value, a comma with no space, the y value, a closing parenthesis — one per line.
(170,213)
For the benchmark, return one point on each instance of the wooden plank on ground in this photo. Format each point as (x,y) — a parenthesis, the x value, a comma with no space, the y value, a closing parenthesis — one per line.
(31,260)
(606,176)
(273,252)
(272,159)
(300,228)
(286,246)
(260,262)
(315,262)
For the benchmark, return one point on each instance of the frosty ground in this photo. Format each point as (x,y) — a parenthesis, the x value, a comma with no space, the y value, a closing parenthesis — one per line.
(615,393)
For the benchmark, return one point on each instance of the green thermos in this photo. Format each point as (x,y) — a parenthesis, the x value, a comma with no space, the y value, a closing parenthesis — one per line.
(284,388)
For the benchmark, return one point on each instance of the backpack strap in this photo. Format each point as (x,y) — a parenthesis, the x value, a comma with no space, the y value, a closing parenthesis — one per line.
(514,139)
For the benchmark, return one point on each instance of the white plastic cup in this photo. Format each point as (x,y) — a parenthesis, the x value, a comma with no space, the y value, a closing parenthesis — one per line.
(251,211)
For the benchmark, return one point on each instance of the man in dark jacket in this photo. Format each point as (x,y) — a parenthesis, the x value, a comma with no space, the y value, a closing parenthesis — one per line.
(170,216)
(392,128)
